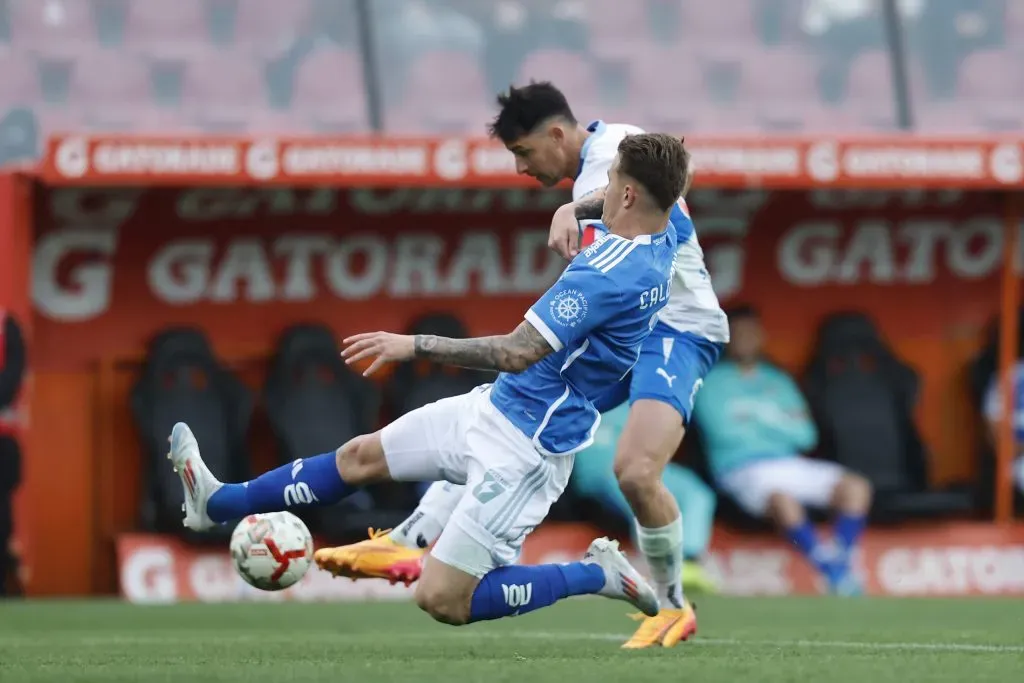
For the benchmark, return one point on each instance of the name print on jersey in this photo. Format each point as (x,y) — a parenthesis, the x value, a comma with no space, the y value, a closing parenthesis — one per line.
(655,295)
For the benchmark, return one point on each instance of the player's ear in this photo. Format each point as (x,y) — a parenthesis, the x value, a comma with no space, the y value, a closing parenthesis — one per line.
(629,196)
(557,133)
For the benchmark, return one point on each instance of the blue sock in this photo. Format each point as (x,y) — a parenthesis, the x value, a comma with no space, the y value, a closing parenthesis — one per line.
(303,483)
(848,530)
(518,589)
(805,538)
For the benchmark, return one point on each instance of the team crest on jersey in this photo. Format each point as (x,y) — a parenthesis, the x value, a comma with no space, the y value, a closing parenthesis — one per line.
(569,307)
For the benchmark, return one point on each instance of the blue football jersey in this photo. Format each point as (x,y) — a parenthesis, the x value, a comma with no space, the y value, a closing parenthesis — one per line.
(595,317)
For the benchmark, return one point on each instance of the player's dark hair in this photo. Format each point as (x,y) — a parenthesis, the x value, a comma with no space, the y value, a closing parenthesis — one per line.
(521,110)
(657,161)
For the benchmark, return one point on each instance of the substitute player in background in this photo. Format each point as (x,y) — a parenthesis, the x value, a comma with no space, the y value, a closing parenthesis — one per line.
(537,125)
(511,443)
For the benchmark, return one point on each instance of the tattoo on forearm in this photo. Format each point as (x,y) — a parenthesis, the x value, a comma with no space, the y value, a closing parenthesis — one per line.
(508,353)
(590,208)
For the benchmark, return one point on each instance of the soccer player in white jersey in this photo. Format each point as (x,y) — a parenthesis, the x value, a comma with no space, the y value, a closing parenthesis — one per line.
(512,443)
(537,125)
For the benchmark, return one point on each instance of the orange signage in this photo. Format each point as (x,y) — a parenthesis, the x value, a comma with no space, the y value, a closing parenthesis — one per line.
(112,266)
(953,560)
(779,163)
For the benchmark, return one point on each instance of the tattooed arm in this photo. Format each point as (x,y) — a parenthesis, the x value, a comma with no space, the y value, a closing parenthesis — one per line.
(564,233)
(590,207)
(512,352)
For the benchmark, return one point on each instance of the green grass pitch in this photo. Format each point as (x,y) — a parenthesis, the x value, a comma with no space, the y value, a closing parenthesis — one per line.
(740,639)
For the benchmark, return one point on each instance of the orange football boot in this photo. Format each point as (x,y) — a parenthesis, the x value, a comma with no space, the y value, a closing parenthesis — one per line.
(378,557)
(668,628)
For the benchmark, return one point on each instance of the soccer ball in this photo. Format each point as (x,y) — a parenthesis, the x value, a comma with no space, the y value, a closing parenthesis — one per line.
(272,551)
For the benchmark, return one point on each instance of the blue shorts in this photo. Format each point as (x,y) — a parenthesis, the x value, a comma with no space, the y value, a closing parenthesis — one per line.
(671,369)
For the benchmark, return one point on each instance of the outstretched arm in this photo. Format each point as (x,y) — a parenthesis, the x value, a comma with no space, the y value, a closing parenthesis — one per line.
(512,352)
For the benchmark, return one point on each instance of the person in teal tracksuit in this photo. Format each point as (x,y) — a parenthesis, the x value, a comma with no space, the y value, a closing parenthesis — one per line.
(593,478)
(756,428)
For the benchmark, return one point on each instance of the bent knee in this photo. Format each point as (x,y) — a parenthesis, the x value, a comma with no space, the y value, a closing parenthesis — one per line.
(361,460)
(637,475)
(442,606)
(785,509)
(854,491)
(859,485)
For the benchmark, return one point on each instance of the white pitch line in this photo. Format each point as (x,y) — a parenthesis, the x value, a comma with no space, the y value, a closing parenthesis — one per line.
(473,634)
(737,642)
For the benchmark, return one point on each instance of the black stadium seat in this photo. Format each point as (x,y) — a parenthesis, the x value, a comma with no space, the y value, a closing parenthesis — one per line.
(182,381)
(417,383)
(863,399)
(315,404)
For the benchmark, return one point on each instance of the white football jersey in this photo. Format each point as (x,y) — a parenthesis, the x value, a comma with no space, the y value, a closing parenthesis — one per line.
(692,305)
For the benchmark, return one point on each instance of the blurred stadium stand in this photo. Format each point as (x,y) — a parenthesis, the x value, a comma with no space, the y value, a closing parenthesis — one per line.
(298,66)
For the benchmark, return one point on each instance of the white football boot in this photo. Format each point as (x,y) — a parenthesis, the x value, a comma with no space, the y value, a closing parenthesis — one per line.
(621,580)
(196,480)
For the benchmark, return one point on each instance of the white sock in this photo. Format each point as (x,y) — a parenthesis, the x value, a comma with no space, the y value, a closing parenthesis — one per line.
(663,550)
(427,521)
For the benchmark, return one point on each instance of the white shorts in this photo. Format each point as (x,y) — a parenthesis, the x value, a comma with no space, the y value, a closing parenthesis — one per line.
(809,481)
(509,485)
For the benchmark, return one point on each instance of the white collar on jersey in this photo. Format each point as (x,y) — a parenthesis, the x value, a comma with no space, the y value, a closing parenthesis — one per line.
(596,129)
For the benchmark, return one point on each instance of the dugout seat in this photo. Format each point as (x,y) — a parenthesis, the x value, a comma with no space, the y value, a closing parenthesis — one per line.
(416,383)
(863,399)
(182,381)
(315,404)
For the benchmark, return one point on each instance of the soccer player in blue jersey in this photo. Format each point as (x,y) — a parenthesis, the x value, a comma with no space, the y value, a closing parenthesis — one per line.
(537,125)
(511,443)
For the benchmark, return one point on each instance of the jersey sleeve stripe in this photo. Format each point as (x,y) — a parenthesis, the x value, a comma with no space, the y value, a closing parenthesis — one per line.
(545,331)
(619,259)
(617,246)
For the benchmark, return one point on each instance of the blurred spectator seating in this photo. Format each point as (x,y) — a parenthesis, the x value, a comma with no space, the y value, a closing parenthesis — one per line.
(220,90)
(328,92)
(34,24)
(446,92)
(744,66)
(182,381)
(573,72)
(163,27)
